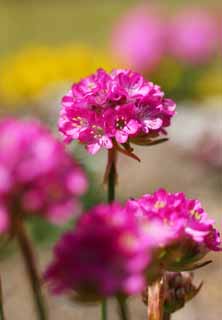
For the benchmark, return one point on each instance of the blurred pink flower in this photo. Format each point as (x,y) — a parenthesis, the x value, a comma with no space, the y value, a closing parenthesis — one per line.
(105,255)
(138,38)
(37,176)
(193,36)
(191,232)
(118,107)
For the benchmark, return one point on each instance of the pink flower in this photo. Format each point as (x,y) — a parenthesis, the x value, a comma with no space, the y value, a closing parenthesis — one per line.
(37,176)
(122,122)
(95,138)
(130,84)
(75,121)
(191,232)
(104,109)
(193,37)
(139,38)
(105,255)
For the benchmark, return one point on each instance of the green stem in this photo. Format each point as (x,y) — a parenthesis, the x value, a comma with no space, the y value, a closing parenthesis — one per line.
(29,260)
(2,315)
(104,310)
(122,309)
(111,182)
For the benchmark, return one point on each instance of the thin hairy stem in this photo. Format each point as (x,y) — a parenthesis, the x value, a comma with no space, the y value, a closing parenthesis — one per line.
(123,312)
(166,316)
(2,315)
(112,175)
(110,178)
(29,260)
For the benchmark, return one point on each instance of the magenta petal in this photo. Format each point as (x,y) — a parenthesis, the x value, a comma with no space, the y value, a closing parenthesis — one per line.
(121,136)
(106,142)
(5,179)
(71,131)
(134,285)
(153,123)
(67,101)
(77,183)
(60,213)
(132,127)
(93,148)
(197,235)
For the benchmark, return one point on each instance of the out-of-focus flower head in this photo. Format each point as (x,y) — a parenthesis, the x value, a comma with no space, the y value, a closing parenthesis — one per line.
(105,255)
(192,233)
(107,109)
(37,176)
(139,38)
(31,72)
(193,36)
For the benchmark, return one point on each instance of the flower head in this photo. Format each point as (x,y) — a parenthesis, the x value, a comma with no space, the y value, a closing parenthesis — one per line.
(191,231)
(105,255)
(139,38)
(194,36)
(120,107)
(37,176)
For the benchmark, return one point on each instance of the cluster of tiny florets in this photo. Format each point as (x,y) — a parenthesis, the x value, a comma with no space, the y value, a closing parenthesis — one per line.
(37,176)
(105,255)
(191,231)
(116,249)
(118,107)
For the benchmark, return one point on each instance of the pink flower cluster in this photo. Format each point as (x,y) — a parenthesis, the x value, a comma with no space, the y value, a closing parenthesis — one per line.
(37,176)
(105,109)
(192,232)
(105,255)
(116,249)
(142,37)
(194,36)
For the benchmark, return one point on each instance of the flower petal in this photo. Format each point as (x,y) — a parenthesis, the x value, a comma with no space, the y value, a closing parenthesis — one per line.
(121,136)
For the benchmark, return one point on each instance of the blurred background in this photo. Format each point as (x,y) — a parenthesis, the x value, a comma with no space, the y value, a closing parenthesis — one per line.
(47,45)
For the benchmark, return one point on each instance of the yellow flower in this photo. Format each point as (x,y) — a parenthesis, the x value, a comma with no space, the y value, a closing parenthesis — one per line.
(25,76)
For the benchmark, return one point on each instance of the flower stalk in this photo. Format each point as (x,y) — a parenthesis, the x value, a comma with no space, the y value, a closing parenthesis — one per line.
(110,178)
(29,260)
(112,175)
(166,316)
(104,309)
(123,312)
(2,314)
(155,292)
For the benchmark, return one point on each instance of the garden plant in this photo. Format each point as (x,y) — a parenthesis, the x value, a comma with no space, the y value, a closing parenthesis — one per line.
(147,246)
